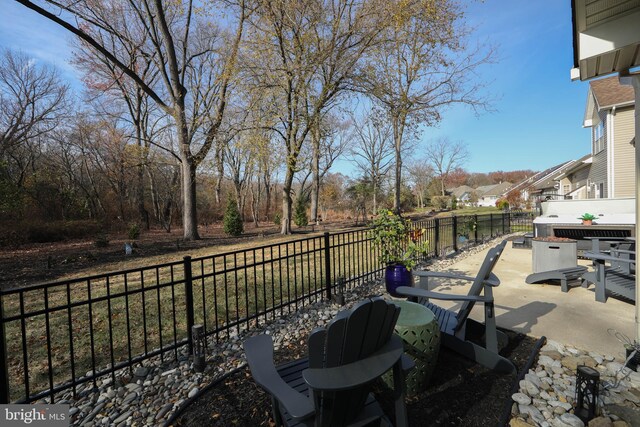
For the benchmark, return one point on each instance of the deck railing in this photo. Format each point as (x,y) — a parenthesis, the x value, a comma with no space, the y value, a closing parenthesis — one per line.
(56,336)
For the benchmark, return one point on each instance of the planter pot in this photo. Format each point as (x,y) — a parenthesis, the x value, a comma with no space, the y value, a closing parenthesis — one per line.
(587,222)
(396,275)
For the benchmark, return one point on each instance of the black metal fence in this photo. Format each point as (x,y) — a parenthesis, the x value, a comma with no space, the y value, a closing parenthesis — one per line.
(56,336)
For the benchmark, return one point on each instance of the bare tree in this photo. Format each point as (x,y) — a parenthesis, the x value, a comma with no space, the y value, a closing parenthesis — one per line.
(302,56)
(425,66)
(240,158)
(33,101)
(421,175)
(445,156)
(112,94)
(372,150)
(329,142)
(171,30)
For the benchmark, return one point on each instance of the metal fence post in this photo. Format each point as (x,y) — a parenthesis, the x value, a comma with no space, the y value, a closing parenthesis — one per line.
(327,265)
(507,216)
(437,236)
(475,229)
(491,225)
(4,367)
(455,234)
(188,292)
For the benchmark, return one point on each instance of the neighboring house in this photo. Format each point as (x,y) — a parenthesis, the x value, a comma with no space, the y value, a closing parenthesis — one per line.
(462,194)
(533,185)
(572,182)
(610,115)
(547,187)
(488,195)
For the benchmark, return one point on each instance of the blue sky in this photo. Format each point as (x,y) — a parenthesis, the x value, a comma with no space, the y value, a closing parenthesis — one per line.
(538,112)
(538,117)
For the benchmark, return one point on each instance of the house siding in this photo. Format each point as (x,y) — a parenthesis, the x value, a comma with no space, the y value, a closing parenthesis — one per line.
(624,154)
(598,170)
(576,182)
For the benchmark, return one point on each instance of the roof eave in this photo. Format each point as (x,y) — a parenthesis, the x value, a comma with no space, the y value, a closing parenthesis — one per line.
(617,105)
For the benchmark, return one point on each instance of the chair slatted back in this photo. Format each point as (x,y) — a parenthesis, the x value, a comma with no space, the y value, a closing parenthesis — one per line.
(352,335)
(490,261)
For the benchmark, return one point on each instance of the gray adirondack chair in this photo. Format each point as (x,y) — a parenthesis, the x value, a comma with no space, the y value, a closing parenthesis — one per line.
(458,331)
(617,279)
(331,386)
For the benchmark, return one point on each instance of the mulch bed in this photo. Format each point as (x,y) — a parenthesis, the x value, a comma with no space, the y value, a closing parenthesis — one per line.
(461,393)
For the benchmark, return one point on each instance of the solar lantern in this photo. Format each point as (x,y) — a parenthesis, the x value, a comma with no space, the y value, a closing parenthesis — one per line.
(199,347)
(587,383)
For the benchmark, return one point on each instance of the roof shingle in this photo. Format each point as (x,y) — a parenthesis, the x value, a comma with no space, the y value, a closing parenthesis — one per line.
(609,92)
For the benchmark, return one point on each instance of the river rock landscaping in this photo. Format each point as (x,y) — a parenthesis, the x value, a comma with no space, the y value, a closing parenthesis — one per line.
(547,392)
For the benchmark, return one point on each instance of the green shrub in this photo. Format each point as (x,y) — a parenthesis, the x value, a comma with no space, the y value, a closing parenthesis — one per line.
(232,221)
(454,203)
(502,204)
(440,202)
(277,219)
(396,241)
(300,217)
(134,231)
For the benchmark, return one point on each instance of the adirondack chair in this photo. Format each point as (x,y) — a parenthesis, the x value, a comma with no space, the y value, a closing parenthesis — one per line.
(458,332)
(618,278)
(331,386)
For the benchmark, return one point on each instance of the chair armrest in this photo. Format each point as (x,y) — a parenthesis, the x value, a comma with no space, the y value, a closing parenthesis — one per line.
(259,352)
(421,293)
(492,281)
(442,275)
(358,373)
(622,251)
(603,257)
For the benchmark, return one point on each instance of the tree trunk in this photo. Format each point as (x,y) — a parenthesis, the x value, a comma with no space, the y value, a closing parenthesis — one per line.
(167,211)
(397,139)
(189,213)
(315,169)
(287,202)
(237,187)
(142,212)
(255,202)
(375,196)
(267,195)
(219,156)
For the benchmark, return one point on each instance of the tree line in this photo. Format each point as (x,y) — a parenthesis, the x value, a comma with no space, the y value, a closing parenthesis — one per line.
(187,102)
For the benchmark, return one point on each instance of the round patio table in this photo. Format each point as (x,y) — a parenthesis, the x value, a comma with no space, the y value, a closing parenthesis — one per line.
(418,328)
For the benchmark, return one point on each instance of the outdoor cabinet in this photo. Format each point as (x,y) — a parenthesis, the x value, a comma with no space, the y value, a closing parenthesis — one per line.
(551,254)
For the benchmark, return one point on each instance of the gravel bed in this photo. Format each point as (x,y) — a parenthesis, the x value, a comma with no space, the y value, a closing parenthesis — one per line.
(547,392)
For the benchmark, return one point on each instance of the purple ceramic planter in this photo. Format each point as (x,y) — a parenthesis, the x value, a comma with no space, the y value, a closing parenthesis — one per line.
(396,275)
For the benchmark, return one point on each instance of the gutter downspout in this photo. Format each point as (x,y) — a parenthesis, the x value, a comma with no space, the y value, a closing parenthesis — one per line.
(611,142)
(634,80)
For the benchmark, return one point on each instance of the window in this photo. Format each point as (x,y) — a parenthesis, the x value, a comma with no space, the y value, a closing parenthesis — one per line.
(601,190)
(599,137)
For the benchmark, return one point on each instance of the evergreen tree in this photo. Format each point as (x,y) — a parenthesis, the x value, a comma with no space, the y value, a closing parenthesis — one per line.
(300,217)
(232,220)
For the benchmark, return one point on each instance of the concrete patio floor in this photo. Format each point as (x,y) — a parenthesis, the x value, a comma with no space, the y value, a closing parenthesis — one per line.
(573,318)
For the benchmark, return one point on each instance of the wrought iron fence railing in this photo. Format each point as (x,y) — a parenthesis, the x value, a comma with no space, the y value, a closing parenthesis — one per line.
(56,336)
